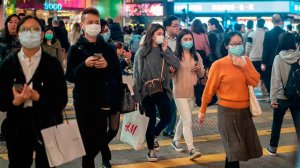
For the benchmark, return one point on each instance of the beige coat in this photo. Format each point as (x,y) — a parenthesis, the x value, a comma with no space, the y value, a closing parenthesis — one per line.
(54,50)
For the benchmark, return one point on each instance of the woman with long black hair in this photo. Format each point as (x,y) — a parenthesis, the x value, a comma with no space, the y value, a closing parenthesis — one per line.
(151,68)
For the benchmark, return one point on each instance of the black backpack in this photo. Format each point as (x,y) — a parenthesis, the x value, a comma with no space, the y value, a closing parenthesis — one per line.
(292,87)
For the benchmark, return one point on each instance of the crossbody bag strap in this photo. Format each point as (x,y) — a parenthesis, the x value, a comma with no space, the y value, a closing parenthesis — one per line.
(162,68)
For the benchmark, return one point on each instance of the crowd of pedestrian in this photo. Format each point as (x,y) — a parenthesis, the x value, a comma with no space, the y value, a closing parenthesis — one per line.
(164,63)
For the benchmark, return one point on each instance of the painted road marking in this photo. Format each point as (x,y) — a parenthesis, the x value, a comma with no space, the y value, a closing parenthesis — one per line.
(203,159)
(167,142)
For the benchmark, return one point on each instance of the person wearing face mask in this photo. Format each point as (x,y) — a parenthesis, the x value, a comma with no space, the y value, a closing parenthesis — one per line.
(151,62)
(190,69)
(8,43)
(105,32)
(51,45)
(94,68)
(8,38)
(230,82)
(34,95)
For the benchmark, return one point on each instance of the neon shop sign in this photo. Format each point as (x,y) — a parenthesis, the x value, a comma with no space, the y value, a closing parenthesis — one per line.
(50,6)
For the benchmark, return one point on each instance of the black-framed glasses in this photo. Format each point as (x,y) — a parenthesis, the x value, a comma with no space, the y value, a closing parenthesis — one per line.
(26,29)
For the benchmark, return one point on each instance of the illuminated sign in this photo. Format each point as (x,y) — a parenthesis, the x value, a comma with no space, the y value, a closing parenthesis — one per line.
(49,6)
(238,7)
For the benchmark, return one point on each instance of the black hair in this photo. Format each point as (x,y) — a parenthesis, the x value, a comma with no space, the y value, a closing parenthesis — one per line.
(168,21)
(237,27)
(43,22)
(127,29)
(89,10)
(260,23)
(61,24)
(197,27)
(250,24)
(282,42)
(110,20)
(103,23)
(49,21)
(179,49)
(21,14)
(227,39)
(22,21)
(214,21)
(152,28)
(289,27)
(53,39)
(7,37)
(139,30)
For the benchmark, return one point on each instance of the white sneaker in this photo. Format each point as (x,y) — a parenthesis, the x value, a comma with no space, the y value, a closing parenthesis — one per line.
(177,146)
(194,154)
(152,156)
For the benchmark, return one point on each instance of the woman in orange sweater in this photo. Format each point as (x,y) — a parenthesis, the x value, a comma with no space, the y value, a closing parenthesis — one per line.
(229,77)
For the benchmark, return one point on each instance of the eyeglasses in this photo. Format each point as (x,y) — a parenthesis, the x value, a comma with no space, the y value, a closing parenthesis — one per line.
(176,26)
(235,45)
(25,29)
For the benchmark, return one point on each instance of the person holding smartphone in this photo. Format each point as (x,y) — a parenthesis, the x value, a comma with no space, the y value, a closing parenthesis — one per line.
(94,68)
(190,70)
(34,94)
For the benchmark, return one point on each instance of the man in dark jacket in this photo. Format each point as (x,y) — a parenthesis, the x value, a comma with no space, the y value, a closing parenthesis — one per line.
(269,49)
(116,30)
(94,67)
(61,34)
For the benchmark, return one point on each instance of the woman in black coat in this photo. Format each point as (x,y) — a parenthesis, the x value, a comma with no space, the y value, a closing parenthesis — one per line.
(34,94)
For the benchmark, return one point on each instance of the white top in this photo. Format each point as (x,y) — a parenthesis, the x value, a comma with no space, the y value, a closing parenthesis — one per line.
(29,66)
(255,48)
(171,42)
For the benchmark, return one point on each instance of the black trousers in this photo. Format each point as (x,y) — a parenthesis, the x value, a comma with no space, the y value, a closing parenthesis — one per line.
(92,124)
(22,142)
(267,77)
(163,103)
(235,164)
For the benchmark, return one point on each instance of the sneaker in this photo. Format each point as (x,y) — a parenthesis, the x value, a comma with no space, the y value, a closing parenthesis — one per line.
(168,134)
(152,156)
(194,153)
(156,145)
(106,164)
(271,150)
(177,146)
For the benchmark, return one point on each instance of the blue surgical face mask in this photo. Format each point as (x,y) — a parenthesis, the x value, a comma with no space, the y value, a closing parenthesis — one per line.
(237,50)
(187,45)
(106,36)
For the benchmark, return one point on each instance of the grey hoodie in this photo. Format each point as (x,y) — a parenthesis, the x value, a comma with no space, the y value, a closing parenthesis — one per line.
(280,72)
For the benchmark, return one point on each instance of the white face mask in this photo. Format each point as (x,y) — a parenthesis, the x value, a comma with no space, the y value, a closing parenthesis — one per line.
(30,39)
(159,39)
(92,30)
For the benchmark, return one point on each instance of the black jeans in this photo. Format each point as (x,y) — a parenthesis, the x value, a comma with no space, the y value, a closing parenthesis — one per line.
(92,124)
(162,101)
(235,164)
(257,66)
(278,115)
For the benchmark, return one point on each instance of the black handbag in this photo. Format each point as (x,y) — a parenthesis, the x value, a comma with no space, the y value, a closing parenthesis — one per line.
(127,103)
(155,86)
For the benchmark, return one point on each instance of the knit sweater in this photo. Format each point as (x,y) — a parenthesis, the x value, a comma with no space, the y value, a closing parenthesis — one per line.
(148,67)
(184,79)
(230,82)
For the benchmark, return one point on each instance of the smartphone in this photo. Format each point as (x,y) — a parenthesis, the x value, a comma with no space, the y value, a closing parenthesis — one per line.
(98,55)
(18,87)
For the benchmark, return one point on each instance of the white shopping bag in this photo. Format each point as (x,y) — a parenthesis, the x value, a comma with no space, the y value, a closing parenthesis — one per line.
(63,143)
(134,129)
(128,79)
(254,105)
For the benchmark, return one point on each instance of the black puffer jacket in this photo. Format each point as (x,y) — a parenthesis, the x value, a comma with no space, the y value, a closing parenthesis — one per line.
(94,87)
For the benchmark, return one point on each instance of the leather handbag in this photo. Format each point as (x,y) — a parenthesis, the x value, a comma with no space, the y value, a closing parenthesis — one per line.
(127,104)
(155,86)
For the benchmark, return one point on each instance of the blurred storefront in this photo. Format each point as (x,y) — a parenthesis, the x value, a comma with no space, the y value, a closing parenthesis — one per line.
(237,11)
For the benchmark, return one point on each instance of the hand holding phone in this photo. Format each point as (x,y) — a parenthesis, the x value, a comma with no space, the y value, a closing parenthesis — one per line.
(19,87)
(98,55)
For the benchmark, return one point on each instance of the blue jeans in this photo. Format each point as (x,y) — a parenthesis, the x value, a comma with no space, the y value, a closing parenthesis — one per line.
(278,115)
